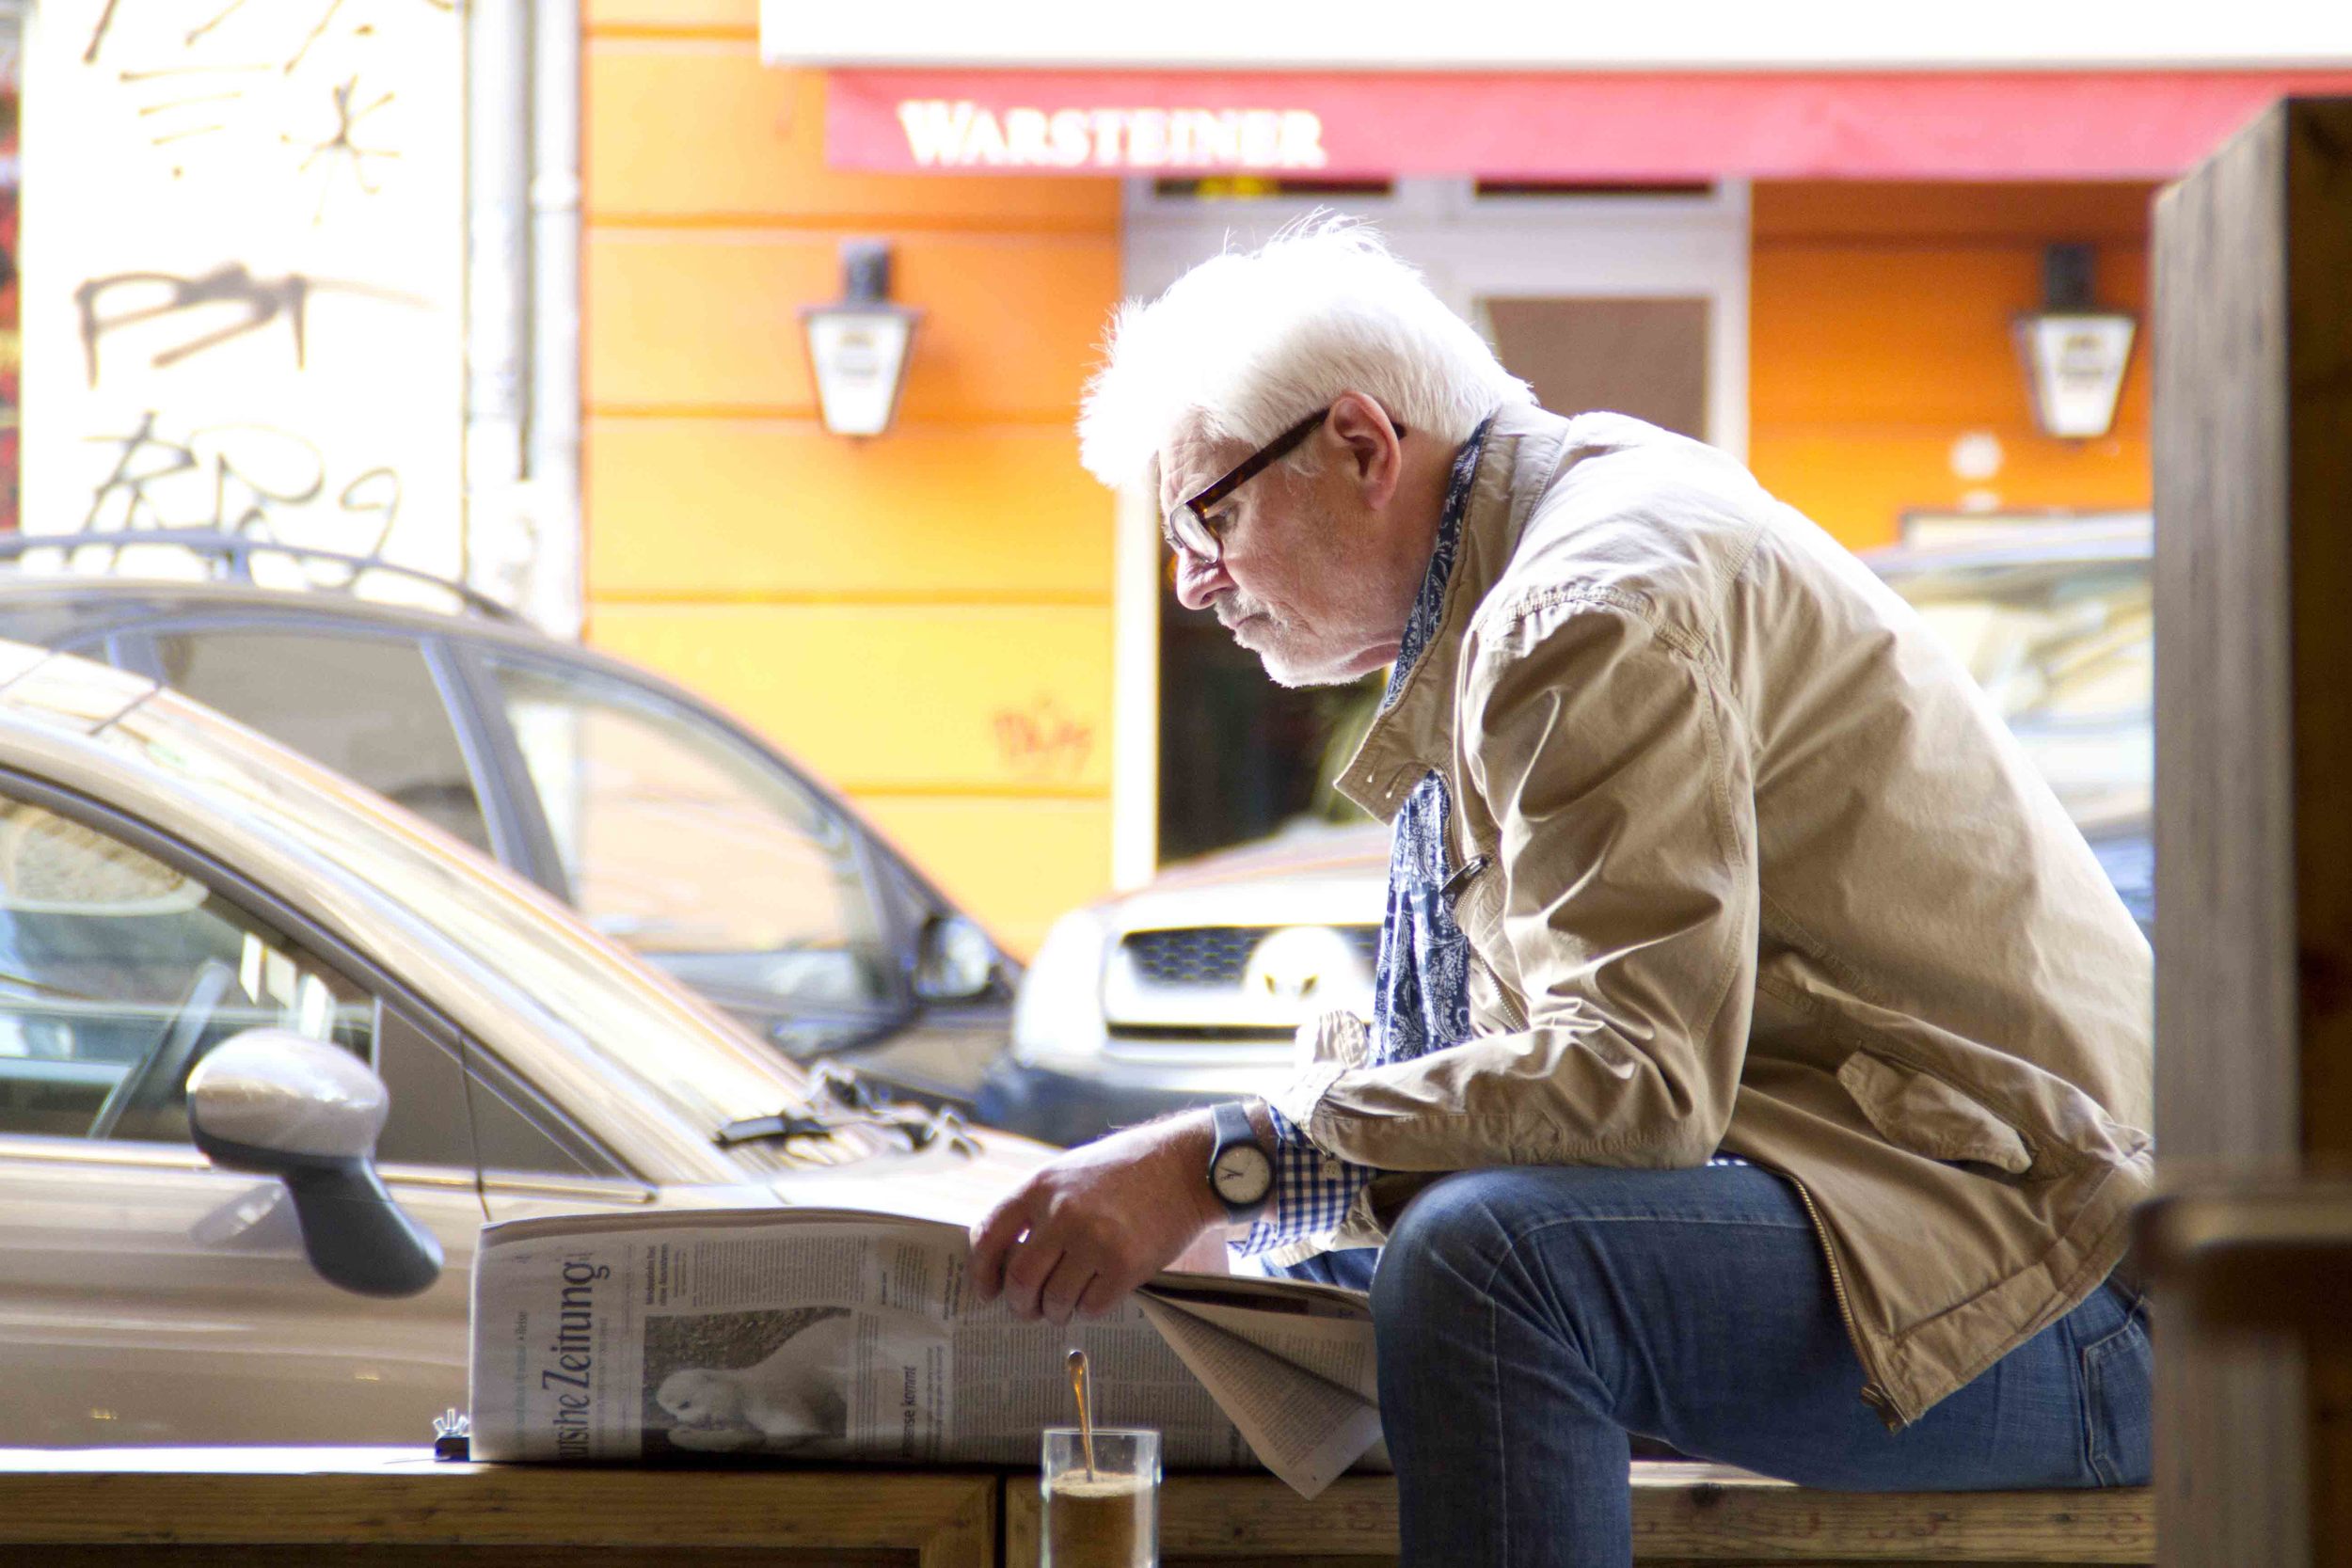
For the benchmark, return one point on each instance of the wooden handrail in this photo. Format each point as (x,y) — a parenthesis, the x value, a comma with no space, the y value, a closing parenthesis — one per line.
(2253,1255)
(399,1506)
(1682,1513)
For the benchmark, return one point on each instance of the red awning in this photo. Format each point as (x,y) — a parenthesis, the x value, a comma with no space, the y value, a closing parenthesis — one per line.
(1617,126)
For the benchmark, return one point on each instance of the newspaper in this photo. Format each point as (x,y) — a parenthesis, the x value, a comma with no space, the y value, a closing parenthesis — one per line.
(838,1335)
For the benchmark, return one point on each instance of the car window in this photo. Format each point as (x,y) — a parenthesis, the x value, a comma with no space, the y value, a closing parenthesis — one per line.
(117,973)
(2066,651)
(366,707)
(2066,643)
(631,1029)
(455,1105)
(689,846)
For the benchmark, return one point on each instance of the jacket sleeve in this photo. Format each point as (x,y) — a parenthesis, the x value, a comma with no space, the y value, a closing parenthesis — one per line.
(1624,894)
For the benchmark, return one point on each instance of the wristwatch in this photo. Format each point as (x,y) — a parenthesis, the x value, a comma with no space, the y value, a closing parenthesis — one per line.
(1241,1173)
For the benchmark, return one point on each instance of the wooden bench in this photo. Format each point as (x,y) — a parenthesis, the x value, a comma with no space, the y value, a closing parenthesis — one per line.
(1682,1513)
(398,1508)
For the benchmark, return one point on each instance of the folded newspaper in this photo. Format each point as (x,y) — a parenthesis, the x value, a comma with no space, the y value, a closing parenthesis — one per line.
(831,1334)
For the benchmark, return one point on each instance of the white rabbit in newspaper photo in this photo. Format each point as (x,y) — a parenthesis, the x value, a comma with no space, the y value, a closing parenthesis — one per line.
(789,1401)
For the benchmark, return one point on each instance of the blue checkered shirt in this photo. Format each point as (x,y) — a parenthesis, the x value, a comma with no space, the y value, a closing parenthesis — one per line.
(1420,988)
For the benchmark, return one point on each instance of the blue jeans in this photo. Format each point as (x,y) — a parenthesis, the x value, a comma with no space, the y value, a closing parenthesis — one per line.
(1531,1319)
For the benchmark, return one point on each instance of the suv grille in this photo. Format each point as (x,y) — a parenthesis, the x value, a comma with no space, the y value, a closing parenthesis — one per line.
(1216,955)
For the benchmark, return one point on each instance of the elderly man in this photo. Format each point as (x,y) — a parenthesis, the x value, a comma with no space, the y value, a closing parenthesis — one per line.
(1759,1056)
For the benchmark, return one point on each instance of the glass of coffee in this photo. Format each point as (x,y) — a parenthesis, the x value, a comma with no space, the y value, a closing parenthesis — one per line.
(1108,1516)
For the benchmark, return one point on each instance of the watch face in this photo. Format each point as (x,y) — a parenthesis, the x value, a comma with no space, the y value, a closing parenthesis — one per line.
(1242,1174)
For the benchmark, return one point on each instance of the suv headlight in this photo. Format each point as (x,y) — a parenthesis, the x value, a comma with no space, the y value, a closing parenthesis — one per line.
(1059,1012)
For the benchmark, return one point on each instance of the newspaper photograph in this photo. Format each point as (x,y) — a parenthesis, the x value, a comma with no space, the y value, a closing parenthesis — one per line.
(837,1335)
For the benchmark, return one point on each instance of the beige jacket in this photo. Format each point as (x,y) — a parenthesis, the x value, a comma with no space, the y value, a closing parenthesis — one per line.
(1750,864)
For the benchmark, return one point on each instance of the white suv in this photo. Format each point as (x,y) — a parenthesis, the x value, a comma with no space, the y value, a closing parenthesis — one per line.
(1191,988)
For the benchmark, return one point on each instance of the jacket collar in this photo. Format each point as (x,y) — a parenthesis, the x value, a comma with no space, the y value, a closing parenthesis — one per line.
(1414,731)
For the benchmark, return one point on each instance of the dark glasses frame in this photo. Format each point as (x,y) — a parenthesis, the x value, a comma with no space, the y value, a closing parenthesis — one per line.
(1188,527)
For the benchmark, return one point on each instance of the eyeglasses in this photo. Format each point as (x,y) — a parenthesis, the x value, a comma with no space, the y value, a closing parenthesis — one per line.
(1189,527)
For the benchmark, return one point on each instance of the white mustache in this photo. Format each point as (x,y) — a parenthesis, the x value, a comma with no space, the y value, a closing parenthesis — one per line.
(1231,612)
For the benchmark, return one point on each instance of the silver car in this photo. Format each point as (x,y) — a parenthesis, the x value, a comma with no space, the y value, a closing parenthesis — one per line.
(183,903)
(1191,988)
(668,825)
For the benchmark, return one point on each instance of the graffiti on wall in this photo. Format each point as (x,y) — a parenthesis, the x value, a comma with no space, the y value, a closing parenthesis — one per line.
(258,301)
(343,152)
(257,330)
(1042,743)
(188,84)
(250,480)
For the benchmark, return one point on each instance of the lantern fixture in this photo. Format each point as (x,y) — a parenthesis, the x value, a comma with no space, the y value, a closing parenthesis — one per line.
(2074,354)
(858,345)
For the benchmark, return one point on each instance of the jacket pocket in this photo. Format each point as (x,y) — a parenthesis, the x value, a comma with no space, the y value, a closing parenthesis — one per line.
(1927,1116)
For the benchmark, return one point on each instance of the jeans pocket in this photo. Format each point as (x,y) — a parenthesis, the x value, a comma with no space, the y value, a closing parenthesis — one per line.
(2118,1404)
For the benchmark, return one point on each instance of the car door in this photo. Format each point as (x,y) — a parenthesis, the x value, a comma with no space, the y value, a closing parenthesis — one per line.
(148,1297)
(373,703)
(676,838)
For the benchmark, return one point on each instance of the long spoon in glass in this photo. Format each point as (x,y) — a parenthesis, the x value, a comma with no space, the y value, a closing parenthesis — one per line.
(1085,1415)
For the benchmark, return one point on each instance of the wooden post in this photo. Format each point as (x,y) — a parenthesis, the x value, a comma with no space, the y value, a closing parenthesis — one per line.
(2252,338)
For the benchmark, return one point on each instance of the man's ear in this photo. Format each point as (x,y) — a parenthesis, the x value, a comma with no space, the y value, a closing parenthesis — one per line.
(1376,455)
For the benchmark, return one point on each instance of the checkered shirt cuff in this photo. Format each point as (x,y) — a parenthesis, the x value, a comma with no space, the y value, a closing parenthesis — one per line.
(1313,1190)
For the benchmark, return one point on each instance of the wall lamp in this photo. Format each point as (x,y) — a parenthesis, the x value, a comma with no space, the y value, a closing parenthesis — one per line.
(858,345)
(2074,354)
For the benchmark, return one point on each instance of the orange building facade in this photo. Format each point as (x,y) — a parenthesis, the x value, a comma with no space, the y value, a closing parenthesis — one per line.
(925,619)
(1878,339)
(934,620)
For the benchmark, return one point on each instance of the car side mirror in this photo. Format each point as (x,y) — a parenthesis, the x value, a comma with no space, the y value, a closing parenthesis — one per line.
(954,960)
(277,1103)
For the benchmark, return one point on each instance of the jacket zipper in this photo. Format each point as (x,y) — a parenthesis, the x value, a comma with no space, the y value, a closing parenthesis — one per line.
(1513,1013)
(1874,1394)
(1513,1008)
(1454,886)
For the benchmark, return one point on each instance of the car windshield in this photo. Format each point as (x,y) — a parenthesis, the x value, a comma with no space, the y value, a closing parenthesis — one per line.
(2066,650)
(517,941)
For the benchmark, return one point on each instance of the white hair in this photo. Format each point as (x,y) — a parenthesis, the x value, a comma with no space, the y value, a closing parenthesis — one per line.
(1247,343)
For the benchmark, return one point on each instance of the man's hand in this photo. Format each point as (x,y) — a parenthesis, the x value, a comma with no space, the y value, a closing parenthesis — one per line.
(1083,1232)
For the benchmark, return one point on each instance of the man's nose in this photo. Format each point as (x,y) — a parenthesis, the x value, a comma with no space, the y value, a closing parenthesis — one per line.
(1198,581)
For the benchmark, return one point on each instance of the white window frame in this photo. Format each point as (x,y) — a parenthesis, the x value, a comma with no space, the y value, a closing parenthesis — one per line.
(1666,246)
